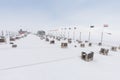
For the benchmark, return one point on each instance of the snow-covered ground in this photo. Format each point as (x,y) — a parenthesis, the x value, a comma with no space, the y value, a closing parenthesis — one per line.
(36,59)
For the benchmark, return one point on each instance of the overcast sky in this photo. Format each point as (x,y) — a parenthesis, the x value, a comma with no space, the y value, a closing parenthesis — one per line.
(51,13)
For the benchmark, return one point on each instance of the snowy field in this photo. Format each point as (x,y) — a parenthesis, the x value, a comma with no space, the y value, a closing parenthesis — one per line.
(36,59)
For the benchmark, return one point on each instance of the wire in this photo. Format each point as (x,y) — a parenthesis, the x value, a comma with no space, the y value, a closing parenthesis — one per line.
(35,64)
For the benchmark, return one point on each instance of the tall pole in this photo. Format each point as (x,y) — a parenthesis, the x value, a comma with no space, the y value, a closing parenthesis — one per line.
(74,33)
(89,36)
(2,33)
(80,36)
(68,34)
(61,33)
(102,37)
(90,33)
(64,32)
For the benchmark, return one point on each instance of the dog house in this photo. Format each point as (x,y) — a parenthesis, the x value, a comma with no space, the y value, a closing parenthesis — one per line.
(14,46)
(64,38)
(2,39)
(58,38)
(75,46)
(86,41)
(99,44)
(79,41)
(52,42)
(69,41)
(119,47)
(17,37)
(90,44)
(47,39)
(113,48)
(11,43)
(87,56)
(82,45)
(64,45)
(53,37)
(104,51)
(41,37)
(12,39)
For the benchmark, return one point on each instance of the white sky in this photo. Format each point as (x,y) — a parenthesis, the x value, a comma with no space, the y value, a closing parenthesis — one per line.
(36,14)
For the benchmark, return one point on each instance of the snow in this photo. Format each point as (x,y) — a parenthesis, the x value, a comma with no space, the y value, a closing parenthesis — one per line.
(36,59)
